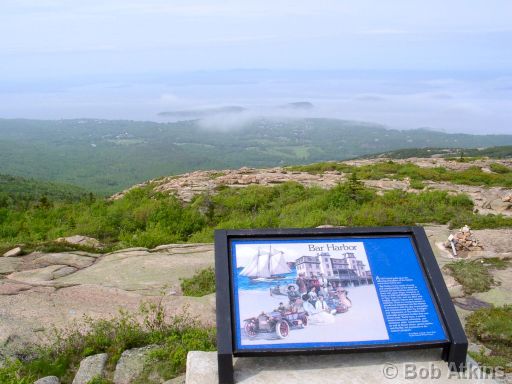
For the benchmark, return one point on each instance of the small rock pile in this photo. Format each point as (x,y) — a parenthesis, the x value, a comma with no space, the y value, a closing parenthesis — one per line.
(464,240)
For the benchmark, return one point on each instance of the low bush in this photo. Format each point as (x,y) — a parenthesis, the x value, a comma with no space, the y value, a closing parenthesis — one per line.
(62,354)
(417,184)
(502,175)
(202,283)
(492,327)
(145,218)
(170,359)
(481,221)
(11,373)
(499,168)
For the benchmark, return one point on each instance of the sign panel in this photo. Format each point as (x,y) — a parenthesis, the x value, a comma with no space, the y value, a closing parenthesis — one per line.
(311,293)
(332,290)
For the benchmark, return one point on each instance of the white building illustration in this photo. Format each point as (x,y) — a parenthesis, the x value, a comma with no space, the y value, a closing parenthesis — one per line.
(347,270)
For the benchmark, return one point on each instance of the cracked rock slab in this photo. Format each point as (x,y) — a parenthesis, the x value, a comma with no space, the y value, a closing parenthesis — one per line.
(148,273)
(41,275)
(10,264)
(10,288)
(69,259)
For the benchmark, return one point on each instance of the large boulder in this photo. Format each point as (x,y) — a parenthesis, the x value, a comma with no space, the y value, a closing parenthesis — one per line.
(176,380)
(91,367)
(202,367)
(13,252)
(80,240)
(500,206)
(131,364)
(48,380)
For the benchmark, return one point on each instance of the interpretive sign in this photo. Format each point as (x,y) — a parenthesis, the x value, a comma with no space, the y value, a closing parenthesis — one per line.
(331,290)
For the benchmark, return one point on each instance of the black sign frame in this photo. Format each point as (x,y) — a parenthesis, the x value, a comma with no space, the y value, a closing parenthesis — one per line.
(454,350)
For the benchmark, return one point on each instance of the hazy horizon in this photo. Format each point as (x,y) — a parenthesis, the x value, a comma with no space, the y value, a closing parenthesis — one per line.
(402,64)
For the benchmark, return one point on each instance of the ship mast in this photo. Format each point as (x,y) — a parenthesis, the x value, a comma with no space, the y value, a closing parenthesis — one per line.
(269,257)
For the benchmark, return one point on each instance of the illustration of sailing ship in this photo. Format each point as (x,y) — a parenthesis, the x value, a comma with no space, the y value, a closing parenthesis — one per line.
(266,266)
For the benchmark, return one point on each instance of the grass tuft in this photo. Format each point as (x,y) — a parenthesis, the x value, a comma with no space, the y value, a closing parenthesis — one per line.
(492,327)
(473,275)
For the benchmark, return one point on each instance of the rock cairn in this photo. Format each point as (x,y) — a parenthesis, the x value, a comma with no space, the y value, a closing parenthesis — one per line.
(463,240)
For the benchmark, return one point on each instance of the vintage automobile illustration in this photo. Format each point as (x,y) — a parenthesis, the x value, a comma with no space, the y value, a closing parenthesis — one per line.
(278,322)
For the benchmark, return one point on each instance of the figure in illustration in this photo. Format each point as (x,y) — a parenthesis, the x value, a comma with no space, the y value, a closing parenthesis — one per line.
(343,298)
(321,305)
(312,296)
(301,283)
(293,295)
(316,316)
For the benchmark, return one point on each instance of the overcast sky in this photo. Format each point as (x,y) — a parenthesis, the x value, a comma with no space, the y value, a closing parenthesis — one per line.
(56,37)
(62,41)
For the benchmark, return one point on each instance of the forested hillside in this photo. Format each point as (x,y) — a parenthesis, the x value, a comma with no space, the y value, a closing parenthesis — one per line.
(19,190)
(107,156)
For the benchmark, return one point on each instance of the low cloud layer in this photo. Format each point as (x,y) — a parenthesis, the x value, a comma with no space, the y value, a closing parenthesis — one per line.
(472,102)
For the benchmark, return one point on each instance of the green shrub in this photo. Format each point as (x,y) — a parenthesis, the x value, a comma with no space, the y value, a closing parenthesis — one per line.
(471,176)
(65,349)
(202,283)
(481,221)
(499,168)
(12,373)
(145,218)
(169,360)
(417,184)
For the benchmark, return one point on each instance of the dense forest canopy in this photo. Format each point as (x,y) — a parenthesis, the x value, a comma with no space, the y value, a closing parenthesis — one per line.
(106,156)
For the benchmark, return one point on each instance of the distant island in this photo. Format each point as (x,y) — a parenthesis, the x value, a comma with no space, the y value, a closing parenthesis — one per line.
(302,105)
(198,113)
(203,112)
